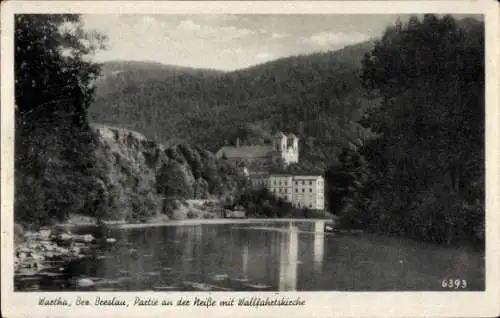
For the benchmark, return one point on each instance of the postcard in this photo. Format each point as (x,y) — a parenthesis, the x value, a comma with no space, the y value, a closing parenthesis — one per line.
(250,159)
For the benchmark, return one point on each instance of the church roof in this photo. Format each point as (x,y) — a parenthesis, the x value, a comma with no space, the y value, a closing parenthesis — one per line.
(279,134)
(245,152)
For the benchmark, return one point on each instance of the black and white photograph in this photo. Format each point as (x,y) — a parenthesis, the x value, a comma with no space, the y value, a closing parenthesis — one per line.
(247,152)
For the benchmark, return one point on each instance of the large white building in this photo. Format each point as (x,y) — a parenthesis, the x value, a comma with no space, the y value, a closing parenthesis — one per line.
(303,191)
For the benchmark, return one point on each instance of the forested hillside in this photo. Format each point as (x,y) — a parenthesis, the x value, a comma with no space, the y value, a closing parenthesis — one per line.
(318,97)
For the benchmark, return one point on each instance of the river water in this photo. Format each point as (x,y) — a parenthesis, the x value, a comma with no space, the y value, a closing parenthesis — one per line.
(264,256)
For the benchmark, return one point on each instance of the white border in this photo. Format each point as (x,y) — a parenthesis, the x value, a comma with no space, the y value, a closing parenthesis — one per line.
(318,304)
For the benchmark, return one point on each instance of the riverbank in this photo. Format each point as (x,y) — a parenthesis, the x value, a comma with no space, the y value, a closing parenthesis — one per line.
(190,209)
(216,221)
(45,251)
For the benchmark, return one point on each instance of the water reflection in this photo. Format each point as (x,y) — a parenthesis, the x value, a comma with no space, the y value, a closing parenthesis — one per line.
(288,259)
(264,256)
(244,259)
(319,245)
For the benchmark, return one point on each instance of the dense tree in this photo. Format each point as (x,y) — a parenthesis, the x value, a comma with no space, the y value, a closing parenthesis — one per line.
(172,182)
(53,89)
(428,157)
(262,203)
(345,180)
(53,71)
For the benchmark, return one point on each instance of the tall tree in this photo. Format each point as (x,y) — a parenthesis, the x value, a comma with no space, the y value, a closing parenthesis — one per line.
(53,89)
(54,77)
(53,70)
(430,75)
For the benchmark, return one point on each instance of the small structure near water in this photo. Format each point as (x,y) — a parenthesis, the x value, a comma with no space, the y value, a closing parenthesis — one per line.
(235,214)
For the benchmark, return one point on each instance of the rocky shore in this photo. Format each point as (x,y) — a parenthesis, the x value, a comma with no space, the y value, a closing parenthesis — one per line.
(46,251)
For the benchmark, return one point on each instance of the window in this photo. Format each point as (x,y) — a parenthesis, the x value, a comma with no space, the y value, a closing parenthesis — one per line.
(296,183)
(296,190)
(280,182)
(286,182)
(303,190)
(274,182)
(310,205)
(310,190)
(286,197)
(303,182)
(310,182)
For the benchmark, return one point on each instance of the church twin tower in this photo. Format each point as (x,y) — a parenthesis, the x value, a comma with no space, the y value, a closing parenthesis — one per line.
(287,147)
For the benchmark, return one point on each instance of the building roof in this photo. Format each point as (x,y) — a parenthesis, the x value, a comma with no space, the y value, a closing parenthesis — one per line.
(308,176)
(279,134)
(293,175)
(245,152)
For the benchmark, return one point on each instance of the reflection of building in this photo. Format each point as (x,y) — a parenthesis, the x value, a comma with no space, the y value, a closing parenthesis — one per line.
(245,255)
(303,191)
(318,245)
(272,256)
(289,260)
(282,147)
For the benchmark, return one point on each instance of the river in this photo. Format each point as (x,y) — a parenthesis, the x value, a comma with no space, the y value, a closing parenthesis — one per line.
(264,256)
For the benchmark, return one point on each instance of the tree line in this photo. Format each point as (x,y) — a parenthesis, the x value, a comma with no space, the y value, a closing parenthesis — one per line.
(423,174)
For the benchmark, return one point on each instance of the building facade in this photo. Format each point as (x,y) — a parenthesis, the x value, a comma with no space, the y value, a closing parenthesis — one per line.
(285,147)
(302,191)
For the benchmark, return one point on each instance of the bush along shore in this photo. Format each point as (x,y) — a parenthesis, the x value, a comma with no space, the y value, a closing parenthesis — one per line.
(47,252)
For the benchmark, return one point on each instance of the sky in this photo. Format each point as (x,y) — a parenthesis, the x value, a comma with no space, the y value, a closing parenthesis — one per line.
(229,42)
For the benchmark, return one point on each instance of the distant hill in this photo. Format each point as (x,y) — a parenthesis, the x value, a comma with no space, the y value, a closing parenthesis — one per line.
(151,69)
(317,96)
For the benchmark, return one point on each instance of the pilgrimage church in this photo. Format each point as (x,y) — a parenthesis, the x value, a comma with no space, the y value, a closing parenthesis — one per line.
(301,190)
(285,147)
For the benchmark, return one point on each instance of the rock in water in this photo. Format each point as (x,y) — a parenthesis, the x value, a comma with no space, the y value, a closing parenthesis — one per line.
(87,238)
(220,277)
(37,257)
(165,288)
(84,282)
(45,234)
(64,238)
(258,286)
(110,240)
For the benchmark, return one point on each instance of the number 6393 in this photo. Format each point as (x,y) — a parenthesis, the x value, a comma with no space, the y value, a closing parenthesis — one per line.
(454,283)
